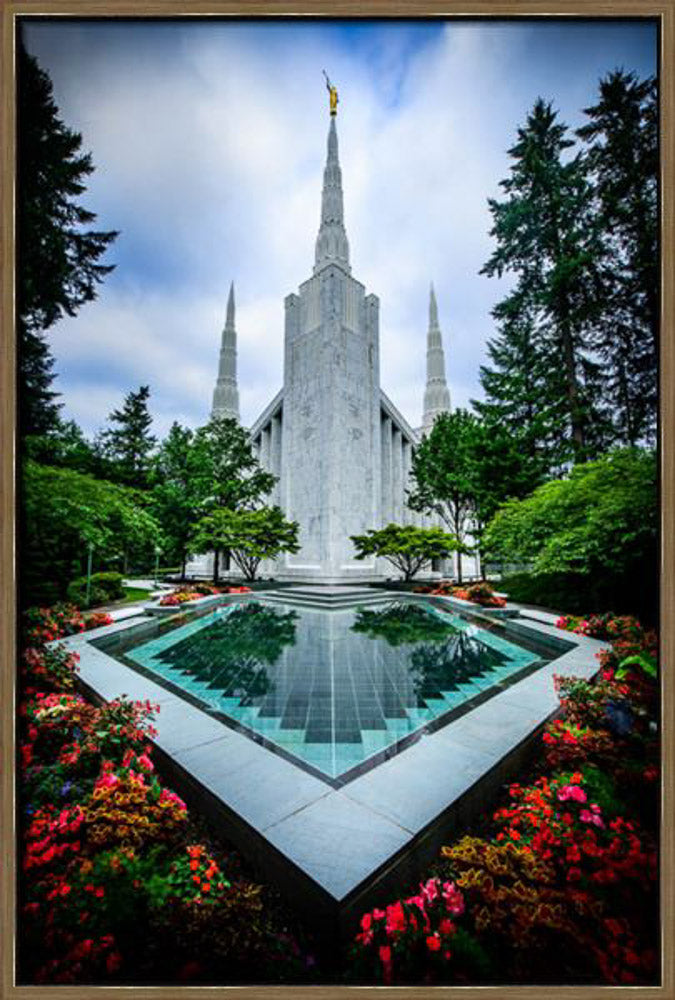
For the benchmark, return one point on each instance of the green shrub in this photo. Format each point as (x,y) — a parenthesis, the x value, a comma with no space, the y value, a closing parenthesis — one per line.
(104,587)
(635,592)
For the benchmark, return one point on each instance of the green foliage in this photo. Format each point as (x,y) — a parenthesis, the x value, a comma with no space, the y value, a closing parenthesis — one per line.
(465,468)
(58,257)
(179,488)
(601,787)
(406,547)
(441,472)
(128,444)
(601,518)
(65,446)
(64,511)
(232,474)
(499,468)
(648,664)
(104,588)
(249,535)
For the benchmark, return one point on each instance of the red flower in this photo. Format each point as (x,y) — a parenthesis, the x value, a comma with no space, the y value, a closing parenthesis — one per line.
(434,942)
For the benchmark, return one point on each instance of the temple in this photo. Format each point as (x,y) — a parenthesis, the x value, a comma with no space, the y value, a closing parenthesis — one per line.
(339,447)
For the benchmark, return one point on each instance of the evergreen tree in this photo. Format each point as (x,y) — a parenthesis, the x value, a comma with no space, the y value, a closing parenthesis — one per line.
(622,161)
(517,387)
(128,445)
(500,469)
(58,258)
(546,237)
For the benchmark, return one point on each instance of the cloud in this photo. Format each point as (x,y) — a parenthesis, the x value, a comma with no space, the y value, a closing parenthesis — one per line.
(209,143)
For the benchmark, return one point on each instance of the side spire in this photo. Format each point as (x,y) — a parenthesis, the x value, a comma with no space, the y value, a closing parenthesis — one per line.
(332,246)
(226,394)
(436,393)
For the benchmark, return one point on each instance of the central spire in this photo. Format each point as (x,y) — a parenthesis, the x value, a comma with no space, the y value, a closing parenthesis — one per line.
(436,394)
(332,246)
(226,394)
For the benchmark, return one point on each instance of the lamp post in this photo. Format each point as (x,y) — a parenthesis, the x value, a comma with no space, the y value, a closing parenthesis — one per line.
(89,558)
(157,554)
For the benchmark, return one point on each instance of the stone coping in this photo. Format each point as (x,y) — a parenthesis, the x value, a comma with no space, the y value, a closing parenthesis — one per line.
(510,611)
(338,851)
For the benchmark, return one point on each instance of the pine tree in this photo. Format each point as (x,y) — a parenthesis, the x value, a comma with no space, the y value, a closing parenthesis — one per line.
(518,387)
(546,237)
(129,444)
(622,161)
(57,256)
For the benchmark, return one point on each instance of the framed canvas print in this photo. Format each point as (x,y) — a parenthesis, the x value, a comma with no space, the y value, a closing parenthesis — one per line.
(337,452)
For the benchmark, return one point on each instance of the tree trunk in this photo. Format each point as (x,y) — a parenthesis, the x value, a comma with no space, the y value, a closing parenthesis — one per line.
(572,390)
(216,567)
(183,566)
(456,529)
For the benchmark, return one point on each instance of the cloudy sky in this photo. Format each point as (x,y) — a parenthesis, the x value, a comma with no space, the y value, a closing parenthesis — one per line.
(209,141)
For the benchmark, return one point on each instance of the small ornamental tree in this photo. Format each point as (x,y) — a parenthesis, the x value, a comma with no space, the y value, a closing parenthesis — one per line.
(249,535)
(406,547)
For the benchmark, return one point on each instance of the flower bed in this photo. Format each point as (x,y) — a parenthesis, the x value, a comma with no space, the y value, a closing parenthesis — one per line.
(108,849)
(195,592)
(481,593)
(562,886)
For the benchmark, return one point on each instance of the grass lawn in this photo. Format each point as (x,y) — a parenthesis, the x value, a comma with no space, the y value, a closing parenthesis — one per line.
(132,594)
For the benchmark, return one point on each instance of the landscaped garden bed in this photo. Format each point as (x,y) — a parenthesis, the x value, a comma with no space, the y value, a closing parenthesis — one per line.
(481,593)
(107,848)
(557,885)
(560,883)
(195,592)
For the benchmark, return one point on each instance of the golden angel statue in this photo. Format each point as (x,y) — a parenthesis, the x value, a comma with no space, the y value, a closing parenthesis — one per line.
(333,95)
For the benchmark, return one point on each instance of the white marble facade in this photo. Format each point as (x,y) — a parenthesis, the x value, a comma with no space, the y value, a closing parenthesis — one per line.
(341,450)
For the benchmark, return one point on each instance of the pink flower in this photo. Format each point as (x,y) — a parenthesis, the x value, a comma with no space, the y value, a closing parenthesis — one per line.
(430,890)
(454,900)
(416,901)
(571,792)
(107,781)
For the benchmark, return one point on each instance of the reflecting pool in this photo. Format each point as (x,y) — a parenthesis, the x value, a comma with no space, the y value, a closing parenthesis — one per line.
(336,691)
